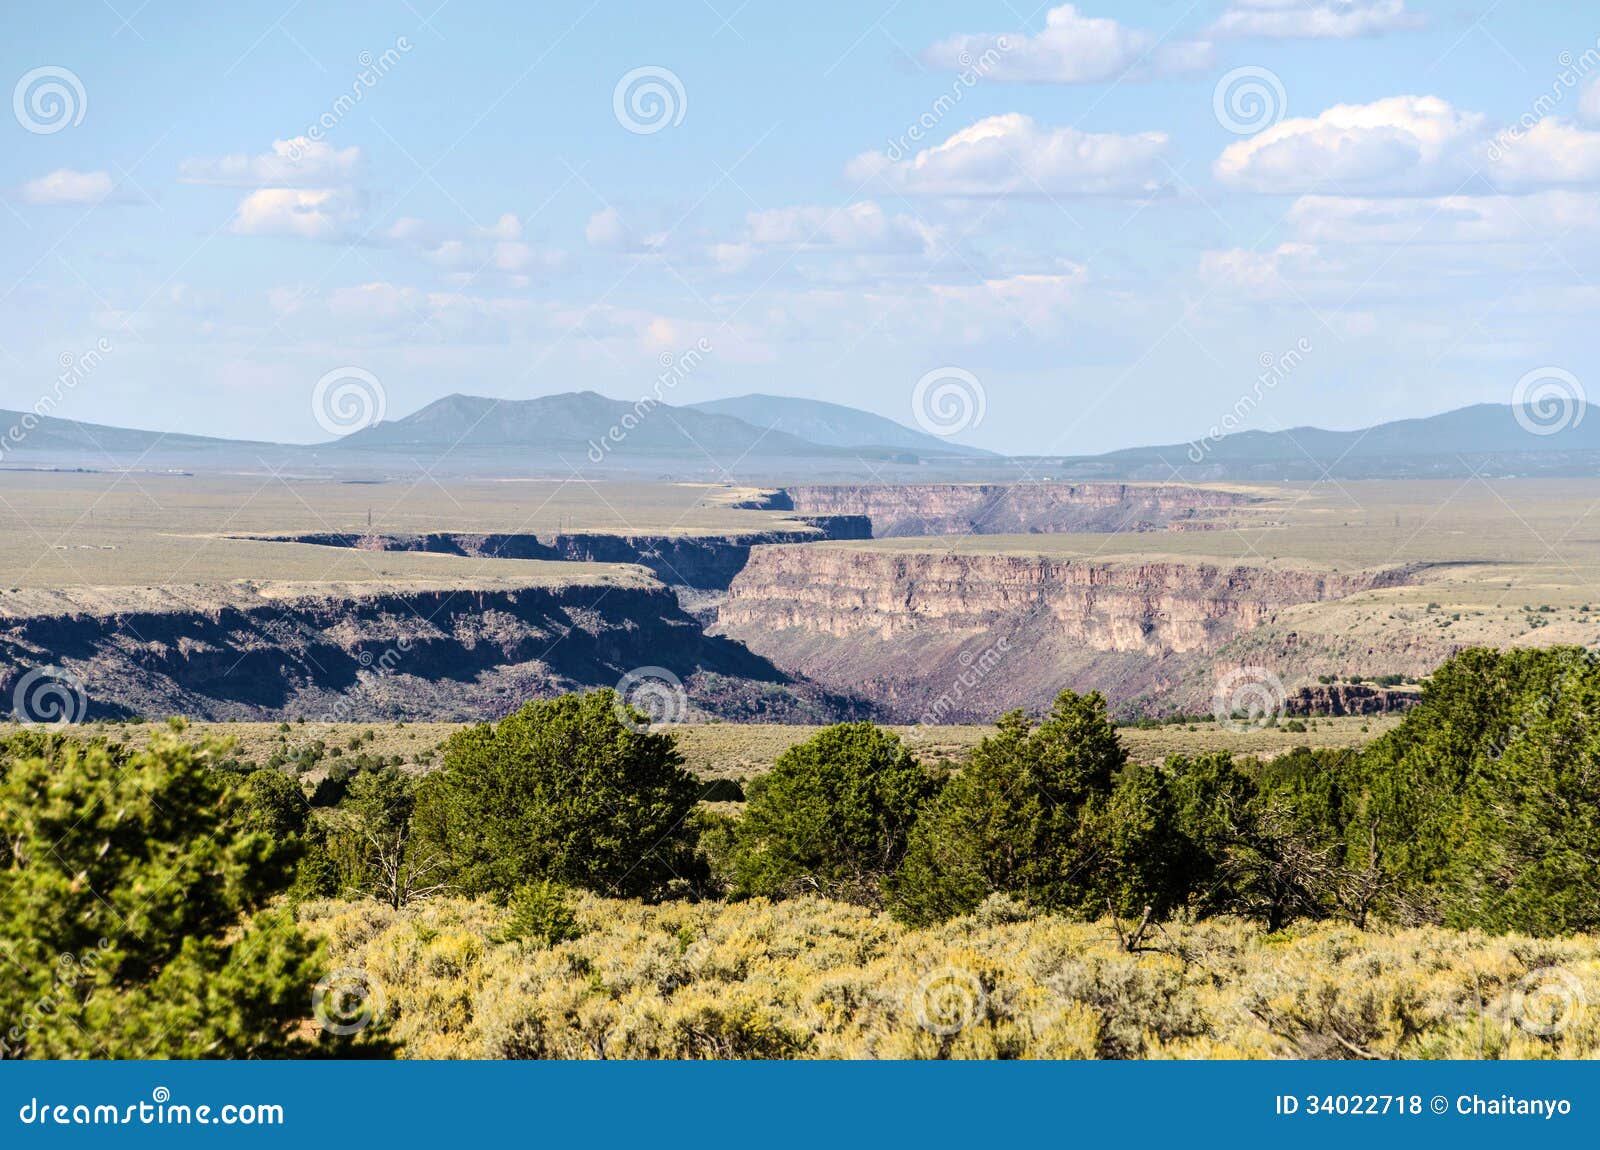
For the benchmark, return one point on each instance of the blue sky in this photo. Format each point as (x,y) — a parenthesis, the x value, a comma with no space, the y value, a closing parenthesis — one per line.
(1090,231)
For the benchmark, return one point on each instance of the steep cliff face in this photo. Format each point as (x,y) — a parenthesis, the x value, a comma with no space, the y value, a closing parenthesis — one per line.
(699,562)
(1013,509)
(233,653)
(904,627)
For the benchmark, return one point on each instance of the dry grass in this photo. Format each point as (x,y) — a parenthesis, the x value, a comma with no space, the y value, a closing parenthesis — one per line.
(69,529)
(814,979)
(743,750)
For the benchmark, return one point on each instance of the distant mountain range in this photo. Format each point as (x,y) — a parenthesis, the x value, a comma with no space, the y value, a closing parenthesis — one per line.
(761,437)
(585,423)
(1485,438)
(830,424)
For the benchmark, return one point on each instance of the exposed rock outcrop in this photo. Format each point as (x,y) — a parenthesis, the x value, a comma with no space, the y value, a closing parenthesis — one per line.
(1349,699)
(902,626)
(700,562)
(239,653)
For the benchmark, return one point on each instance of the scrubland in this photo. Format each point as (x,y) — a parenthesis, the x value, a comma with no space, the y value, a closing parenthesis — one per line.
(809,978)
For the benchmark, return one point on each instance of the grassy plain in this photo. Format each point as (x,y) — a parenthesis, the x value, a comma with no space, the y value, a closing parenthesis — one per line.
(742,751)
(61,529)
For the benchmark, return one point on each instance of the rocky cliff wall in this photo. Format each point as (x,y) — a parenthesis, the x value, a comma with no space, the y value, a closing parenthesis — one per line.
(699,562)
(903,627)
(438,654)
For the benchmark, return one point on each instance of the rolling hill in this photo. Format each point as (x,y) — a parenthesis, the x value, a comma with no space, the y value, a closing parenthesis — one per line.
(830,424)
(1487,438)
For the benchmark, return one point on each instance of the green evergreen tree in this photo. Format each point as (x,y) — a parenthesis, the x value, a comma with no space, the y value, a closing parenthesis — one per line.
(562,790)
(1026,815)
(832,816)
(135,917)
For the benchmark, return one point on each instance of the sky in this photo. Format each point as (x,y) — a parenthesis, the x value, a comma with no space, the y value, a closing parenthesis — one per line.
(1061,229)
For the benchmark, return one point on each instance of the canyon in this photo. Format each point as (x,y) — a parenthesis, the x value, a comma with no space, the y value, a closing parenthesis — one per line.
(807,619)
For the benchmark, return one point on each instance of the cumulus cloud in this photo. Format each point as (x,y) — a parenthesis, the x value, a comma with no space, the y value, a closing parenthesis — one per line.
(1319,20)
(1012,155)
(497,247)
(1072,49)
(305,213)
(65,186)
(292,163)
(1409,146)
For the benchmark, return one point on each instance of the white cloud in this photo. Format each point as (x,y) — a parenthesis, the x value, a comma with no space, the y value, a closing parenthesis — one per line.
(65,186)
(1243,273)
(1316,20)
(857,227)
(497,247)
(1012,155)
(1409,146)
(293,163)
(607,231)
(306,213)
(1072,49)
(1403,144)
(507,227)
(1589,102)
(1446,219)
(1041,304)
